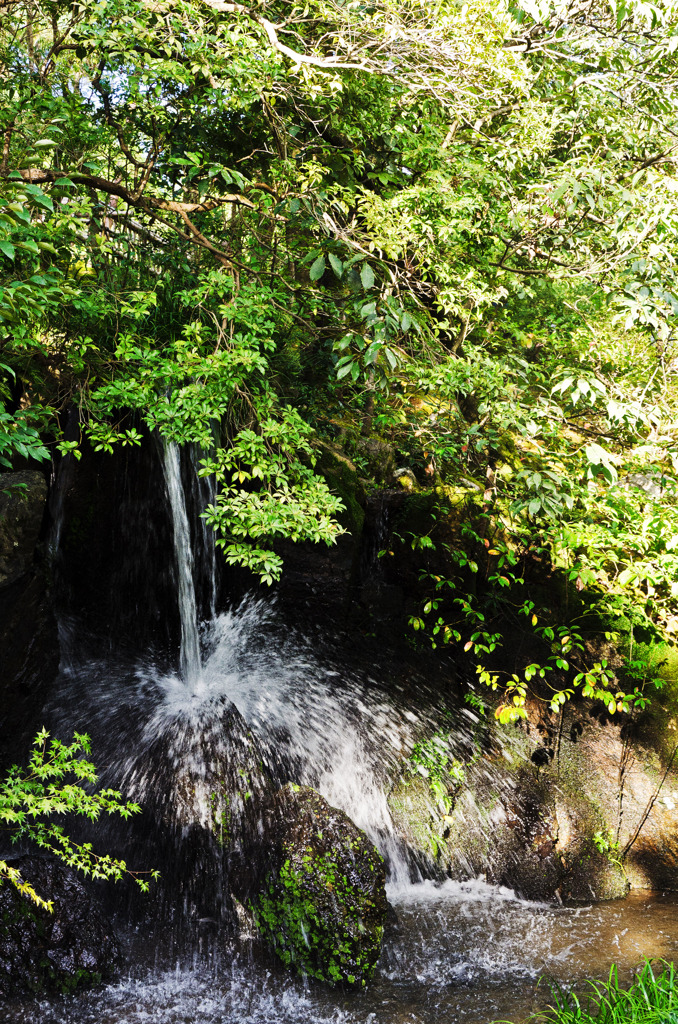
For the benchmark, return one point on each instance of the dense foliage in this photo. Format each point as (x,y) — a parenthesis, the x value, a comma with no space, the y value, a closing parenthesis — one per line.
(451,226)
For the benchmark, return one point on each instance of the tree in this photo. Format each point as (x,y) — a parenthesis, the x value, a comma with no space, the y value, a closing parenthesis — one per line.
(223,220)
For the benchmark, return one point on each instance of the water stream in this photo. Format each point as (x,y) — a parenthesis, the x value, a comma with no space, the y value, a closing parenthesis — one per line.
(458,953)
(188,612)
(453,951)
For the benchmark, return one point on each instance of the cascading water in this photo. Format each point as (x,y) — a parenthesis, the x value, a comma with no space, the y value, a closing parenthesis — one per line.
(456,951)
(206,492)
(190,638)
(321,728)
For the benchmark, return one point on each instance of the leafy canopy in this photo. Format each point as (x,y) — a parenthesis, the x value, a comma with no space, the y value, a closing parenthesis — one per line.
(231,222)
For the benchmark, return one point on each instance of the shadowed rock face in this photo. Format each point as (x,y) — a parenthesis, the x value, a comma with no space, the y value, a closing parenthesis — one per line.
(22,505)
(28,631)
(318,895)
(61,951)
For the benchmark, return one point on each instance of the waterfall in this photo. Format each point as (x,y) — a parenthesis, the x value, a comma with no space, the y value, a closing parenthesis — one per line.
(317,723)
(204,494)
(190,639)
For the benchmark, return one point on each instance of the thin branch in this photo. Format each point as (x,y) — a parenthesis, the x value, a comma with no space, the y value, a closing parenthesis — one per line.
(650,804)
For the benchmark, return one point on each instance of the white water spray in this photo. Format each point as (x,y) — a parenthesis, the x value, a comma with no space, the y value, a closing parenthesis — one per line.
(190,637)
(331,733)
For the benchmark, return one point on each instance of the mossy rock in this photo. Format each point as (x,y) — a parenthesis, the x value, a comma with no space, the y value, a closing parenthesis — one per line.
(527,827)
(342,478)
(378,458)
(321,901)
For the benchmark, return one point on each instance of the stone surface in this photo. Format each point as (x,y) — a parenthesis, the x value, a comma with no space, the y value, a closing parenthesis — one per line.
(60,951)
(28,630)
(318,895)
(520,819)
(22,506)
(316,575)
(406,479)
(30,660)
(378,458)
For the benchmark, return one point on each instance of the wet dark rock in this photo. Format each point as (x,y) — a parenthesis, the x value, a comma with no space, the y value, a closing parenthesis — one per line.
(528,827)
(60,951)
(321,578)
(30,660)
(28,630)
(342,478)
(22,506)
(317,894)
(205,781)
(113,524)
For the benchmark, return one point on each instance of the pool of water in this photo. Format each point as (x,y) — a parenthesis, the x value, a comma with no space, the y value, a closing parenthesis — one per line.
(453,952)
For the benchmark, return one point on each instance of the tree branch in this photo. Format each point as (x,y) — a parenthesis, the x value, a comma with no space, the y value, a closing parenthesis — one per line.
(38,176)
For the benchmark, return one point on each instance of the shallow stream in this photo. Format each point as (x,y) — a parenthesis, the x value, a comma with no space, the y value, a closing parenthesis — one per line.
(459,952)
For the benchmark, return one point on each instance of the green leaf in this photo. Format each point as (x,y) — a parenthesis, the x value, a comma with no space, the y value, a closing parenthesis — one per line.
(317,269)
(30,245)
(372,352)
(44,200)
(367,276)
(8,250)
(337,265)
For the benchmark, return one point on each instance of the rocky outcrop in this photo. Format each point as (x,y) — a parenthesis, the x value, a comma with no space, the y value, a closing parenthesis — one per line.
(317,895)
(28,631)
(60,951)
(377,457)
(574,808)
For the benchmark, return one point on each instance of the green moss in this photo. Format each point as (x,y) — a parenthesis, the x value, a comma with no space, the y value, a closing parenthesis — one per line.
(415,515)
(321,903)
(290,915)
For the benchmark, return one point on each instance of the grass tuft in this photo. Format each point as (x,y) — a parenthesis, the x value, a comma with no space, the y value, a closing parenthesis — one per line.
(651,998)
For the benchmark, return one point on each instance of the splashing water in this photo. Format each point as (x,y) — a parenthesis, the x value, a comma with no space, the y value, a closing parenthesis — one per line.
(327,730)
(315,725)
(459,953)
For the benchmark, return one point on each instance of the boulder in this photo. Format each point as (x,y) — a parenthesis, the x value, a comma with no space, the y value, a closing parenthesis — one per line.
(60,951)
(378,458)
(318,895)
